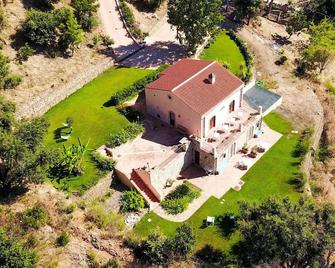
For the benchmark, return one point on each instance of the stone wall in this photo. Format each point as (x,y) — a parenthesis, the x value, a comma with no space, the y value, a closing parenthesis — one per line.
(41,103)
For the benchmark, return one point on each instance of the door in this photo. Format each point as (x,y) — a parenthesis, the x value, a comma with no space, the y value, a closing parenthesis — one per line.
(212,122)
(197,157)
(232,150)
(172,119)
(232,106)
(222,162)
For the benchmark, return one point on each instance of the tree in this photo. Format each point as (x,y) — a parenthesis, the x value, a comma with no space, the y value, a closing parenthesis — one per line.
(70,33)
(194,20)
(4,68)
(40,28)
(183,241)
(297,21)
(291,234)
(154,250)
(248,8)
(131,201)
(84,10)
(321,48)
(20,150)
(13,254)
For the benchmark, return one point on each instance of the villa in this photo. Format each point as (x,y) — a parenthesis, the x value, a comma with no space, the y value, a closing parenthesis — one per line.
(214,115)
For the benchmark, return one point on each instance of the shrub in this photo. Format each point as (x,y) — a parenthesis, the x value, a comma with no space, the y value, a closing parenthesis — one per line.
(211,256)
(63,239)
(2,19)
(330,87)
(70,208)
(179,199)
(128,92)
(25,52)
(105,220)
(246,54)
(107,40)
(35,217)
(102,162)
(12,81)
(183,242)
(154,250)
(112,264)
(13,254)
(130,20)
(131,201)
(303,144)
(31,241)
(130,132)
(299,181)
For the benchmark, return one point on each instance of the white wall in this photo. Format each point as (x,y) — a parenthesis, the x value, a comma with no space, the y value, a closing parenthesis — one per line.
(221,111)
(158,102)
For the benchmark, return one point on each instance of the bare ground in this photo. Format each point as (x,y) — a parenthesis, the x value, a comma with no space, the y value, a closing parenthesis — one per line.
(305,101)
(41,72)
(85,237)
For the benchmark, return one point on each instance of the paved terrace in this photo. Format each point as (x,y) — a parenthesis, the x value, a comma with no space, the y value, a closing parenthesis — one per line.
(218,185)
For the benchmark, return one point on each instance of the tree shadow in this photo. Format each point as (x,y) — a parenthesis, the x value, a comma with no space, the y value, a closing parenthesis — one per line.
(281,40)
(227,224)
(8,197)
(58,132)
(37,4)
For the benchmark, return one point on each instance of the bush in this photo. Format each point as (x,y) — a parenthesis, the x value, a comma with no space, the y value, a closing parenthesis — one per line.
(12,81)
(130,132)
(112,264)
(25,52)
(35,217)
(2,19)
(299,182)
(103,163)
(107,40)
(70,208)
(128,92)
(63,239)
(130,20)
(304,144)
(131,201)
(13,254)
(183,242)
(281,60)
(246,54)
(330,87)
(212,257)
(178,200)
(105,220)
(154,250)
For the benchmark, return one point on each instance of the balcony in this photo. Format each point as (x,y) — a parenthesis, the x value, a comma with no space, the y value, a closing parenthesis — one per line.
(221,137)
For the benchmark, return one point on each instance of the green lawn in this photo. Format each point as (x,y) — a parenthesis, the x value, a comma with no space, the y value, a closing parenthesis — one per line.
(224,50)
(268,177)
(93,122)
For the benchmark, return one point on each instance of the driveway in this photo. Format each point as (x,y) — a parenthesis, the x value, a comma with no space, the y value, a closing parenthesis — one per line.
(162,46)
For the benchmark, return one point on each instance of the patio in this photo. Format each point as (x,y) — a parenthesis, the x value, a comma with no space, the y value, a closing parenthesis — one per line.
(218,185)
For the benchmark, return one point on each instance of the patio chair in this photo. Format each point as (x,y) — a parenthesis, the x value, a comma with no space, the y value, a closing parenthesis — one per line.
(210,220)
(65,137)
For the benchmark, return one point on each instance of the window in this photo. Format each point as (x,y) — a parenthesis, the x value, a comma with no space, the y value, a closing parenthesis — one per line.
(169,96)
(212,122)
(232,106)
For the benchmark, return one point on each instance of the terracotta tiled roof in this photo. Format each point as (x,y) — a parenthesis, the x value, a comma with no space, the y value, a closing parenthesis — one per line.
(188,80)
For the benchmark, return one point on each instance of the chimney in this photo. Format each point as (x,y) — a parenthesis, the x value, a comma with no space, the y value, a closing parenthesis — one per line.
(260,110)
(211,78)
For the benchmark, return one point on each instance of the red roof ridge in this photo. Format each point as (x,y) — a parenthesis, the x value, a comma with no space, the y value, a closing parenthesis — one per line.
(194,75)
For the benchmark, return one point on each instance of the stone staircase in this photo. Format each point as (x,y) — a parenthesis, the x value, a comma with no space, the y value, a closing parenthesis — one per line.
(144,189)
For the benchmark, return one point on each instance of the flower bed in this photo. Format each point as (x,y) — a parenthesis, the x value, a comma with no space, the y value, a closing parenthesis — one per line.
(178,200)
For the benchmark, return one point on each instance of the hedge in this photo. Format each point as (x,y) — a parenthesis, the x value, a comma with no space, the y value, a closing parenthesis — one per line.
(130,20)
(130,132)
(245,52)
(102,162)
(179,199)
(126,93)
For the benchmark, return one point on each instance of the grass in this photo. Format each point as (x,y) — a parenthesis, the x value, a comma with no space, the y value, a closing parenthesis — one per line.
(269,177)
(225,51)
(93,119)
